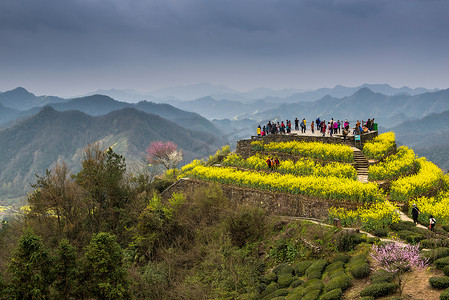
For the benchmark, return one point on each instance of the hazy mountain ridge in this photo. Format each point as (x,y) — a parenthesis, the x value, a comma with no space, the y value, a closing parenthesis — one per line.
(96,105)
(35,144)
(428,136)
(221,92)
(223,109)
(20,99)
(364,104)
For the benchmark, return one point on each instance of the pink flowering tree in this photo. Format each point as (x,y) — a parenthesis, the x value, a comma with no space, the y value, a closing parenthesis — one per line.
(398,260)
(165,154)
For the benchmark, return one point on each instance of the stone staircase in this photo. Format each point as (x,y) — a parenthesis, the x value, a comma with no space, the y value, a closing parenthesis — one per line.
(361,165)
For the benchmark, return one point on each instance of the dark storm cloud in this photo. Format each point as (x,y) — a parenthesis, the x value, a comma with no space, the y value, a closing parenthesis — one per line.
(237,25)
(105,36)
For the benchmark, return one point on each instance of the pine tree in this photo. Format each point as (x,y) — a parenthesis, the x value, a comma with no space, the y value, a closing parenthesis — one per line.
(31,268)
(103,273)
(66,271)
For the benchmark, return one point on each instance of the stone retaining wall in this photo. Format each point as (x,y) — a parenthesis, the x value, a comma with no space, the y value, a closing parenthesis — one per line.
(244,146)
(276,203)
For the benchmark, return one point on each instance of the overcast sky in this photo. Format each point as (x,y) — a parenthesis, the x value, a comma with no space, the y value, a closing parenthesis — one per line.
(72,47)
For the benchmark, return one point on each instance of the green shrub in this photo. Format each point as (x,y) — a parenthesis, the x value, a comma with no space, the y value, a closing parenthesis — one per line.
(270,289)
(297,293)
(446,270)
(332,295)
(261,287)
(360,270)
(444,295)
(341,282)
(439,282)
(430,243)
(245,225)
(410,236)
(336,273)
(436,253)
(314,275)
(284,280)
(280,292)
(283,269)
(358,258)
(296,283)
(269,277)
(312,295)
(313,284)
(317,266)
(346,240)
(382,276)
(342,257)
(442,262)
(381,232)
(278,298)
(301,267)
(359,267)
(379,289)
(373,240)
(402,225)
(367,298)
(335,266)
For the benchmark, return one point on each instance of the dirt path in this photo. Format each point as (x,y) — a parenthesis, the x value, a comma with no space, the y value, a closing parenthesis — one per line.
(321,222)
(404,217)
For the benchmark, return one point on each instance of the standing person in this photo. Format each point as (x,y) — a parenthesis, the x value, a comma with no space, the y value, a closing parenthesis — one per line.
(276,162)
(268,163)
(258,130)
(432,223)
(335,127)
(329,126)
(318,123)
(345,134)
(312,126)
(323,127)
(339,126)
(296,124)
(415,213)
(303,125)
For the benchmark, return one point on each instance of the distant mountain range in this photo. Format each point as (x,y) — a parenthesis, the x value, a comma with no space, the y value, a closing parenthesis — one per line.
(428,136)
(37,143)
(222,92)
(13,107)
(364,104)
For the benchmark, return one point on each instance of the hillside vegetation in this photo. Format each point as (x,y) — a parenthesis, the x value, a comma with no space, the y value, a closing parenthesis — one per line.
(36,144)
(105,233)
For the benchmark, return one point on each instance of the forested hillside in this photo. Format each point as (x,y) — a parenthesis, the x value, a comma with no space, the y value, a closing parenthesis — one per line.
(35,144)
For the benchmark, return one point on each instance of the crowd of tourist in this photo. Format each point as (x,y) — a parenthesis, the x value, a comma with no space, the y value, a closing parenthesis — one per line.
(330,128)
